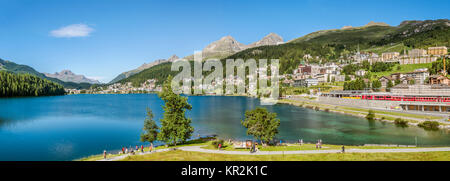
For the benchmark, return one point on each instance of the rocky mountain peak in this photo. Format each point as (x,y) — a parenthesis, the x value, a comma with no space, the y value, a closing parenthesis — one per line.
(372,23)
(65,72)
(69,76)
(223,46)
(173,58)
(270,39)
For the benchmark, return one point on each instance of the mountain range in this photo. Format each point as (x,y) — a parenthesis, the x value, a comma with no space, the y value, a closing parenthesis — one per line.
(9,66)
(69,76)
(328,45)
(221,48)
(143,67)
(227,45)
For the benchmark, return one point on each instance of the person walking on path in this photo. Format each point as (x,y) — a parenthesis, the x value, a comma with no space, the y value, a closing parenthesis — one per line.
(142,148)
(220,146)
(252,149)
(343,149)
(123,150)
(104,154)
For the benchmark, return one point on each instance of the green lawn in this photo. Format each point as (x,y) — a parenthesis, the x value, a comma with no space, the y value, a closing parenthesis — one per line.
(403,69)
(356,111)
(395,113)
(206,144)
(296,147)
(179,155)
(388,48)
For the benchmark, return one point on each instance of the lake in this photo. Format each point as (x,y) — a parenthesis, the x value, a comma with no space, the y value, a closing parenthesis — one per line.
(74,126)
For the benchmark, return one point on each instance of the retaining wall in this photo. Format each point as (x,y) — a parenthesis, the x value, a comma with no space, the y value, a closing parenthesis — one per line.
(358,102)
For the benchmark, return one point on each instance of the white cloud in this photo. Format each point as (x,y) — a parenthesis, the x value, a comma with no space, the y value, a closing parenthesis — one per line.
(74,30)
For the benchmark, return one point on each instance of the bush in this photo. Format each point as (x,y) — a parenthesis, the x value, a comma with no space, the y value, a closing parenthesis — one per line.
(216,143)
(400,122)
(429,125)
(317,108)
(370,116)
(327,110)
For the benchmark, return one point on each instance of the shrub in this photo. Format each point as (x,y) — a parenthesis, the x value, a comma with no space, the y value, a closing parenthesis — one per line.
(216,143)
(370,116)
(429,125)
(317,108)
(400,122)
(327,110)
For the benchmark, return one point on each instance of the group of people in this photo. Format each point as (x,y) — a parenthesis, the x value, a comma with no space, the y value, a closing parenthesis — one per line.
(300,142)
(319,144)
(254,147)
(126,150)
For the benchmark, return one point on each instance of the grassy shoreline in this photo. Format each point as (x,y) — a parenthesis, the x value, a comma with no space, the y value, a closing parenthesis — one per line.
(385,116)
(179,155)
(205,143)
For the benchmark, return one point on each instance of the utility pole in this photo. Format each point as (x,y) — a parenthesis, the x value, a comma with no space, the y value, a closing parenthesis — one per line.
(445,69)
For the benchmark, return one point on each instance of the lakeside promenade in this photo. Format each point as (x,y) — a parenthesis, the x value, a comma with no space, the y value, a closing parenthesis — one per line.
(360,111)
(352,150)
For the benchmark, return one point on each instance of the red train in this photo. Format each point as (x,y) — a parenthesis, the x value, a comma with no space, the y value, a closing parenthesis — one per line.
(403,98)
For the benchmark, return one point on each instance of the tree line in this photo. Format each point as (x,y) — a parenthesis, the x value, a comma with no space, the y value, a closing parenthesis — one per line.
(350,69)
(16,85)
(359,84)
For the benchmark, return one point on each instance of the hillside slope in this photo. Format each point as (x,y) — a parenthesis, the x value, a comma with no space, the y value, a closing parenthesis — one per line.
(331,45)
(25,69)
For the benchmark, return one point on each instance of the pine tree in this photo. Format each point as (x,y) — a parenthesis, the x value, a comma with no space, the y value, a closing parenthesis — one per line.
(150,130)
(175,127)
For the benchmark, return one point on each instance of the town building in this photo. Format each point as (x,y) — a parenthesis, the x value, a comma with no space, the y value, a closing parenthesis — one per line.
(361,72)
(306,82)
(421,90)
(426,91)
(438,79)
(418,76)
(385,80)
(416,60)
(417,53)
(442,50)
(388,56)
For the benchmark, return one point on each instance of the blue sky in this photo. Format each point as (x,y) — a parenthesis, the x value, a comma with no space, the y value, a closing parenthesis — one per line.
(102,38)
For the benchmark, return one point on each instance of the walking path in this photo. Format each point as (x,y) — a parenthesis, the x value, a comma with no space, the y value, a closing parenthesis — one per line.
(202,150)
(121,157)
(443,116)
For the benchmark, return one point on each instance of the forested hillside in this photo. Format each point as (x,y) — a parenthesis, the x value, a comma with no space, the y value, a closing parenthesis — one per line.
(16,85)
(159,72)
(333,46)
(24,69)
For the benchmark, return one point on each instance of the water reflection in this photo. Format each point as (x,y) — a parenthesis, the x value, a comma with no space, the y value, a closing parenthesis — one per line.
(69,127)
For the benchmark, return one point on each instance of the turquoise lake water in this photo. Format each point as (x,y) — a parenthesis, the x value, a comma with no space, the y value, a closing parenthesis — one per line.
(74,126)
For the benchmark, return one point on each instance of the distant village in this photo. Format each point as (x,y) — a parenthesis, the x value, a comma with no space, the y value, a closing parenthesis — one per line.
(307,75)
(119,88)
